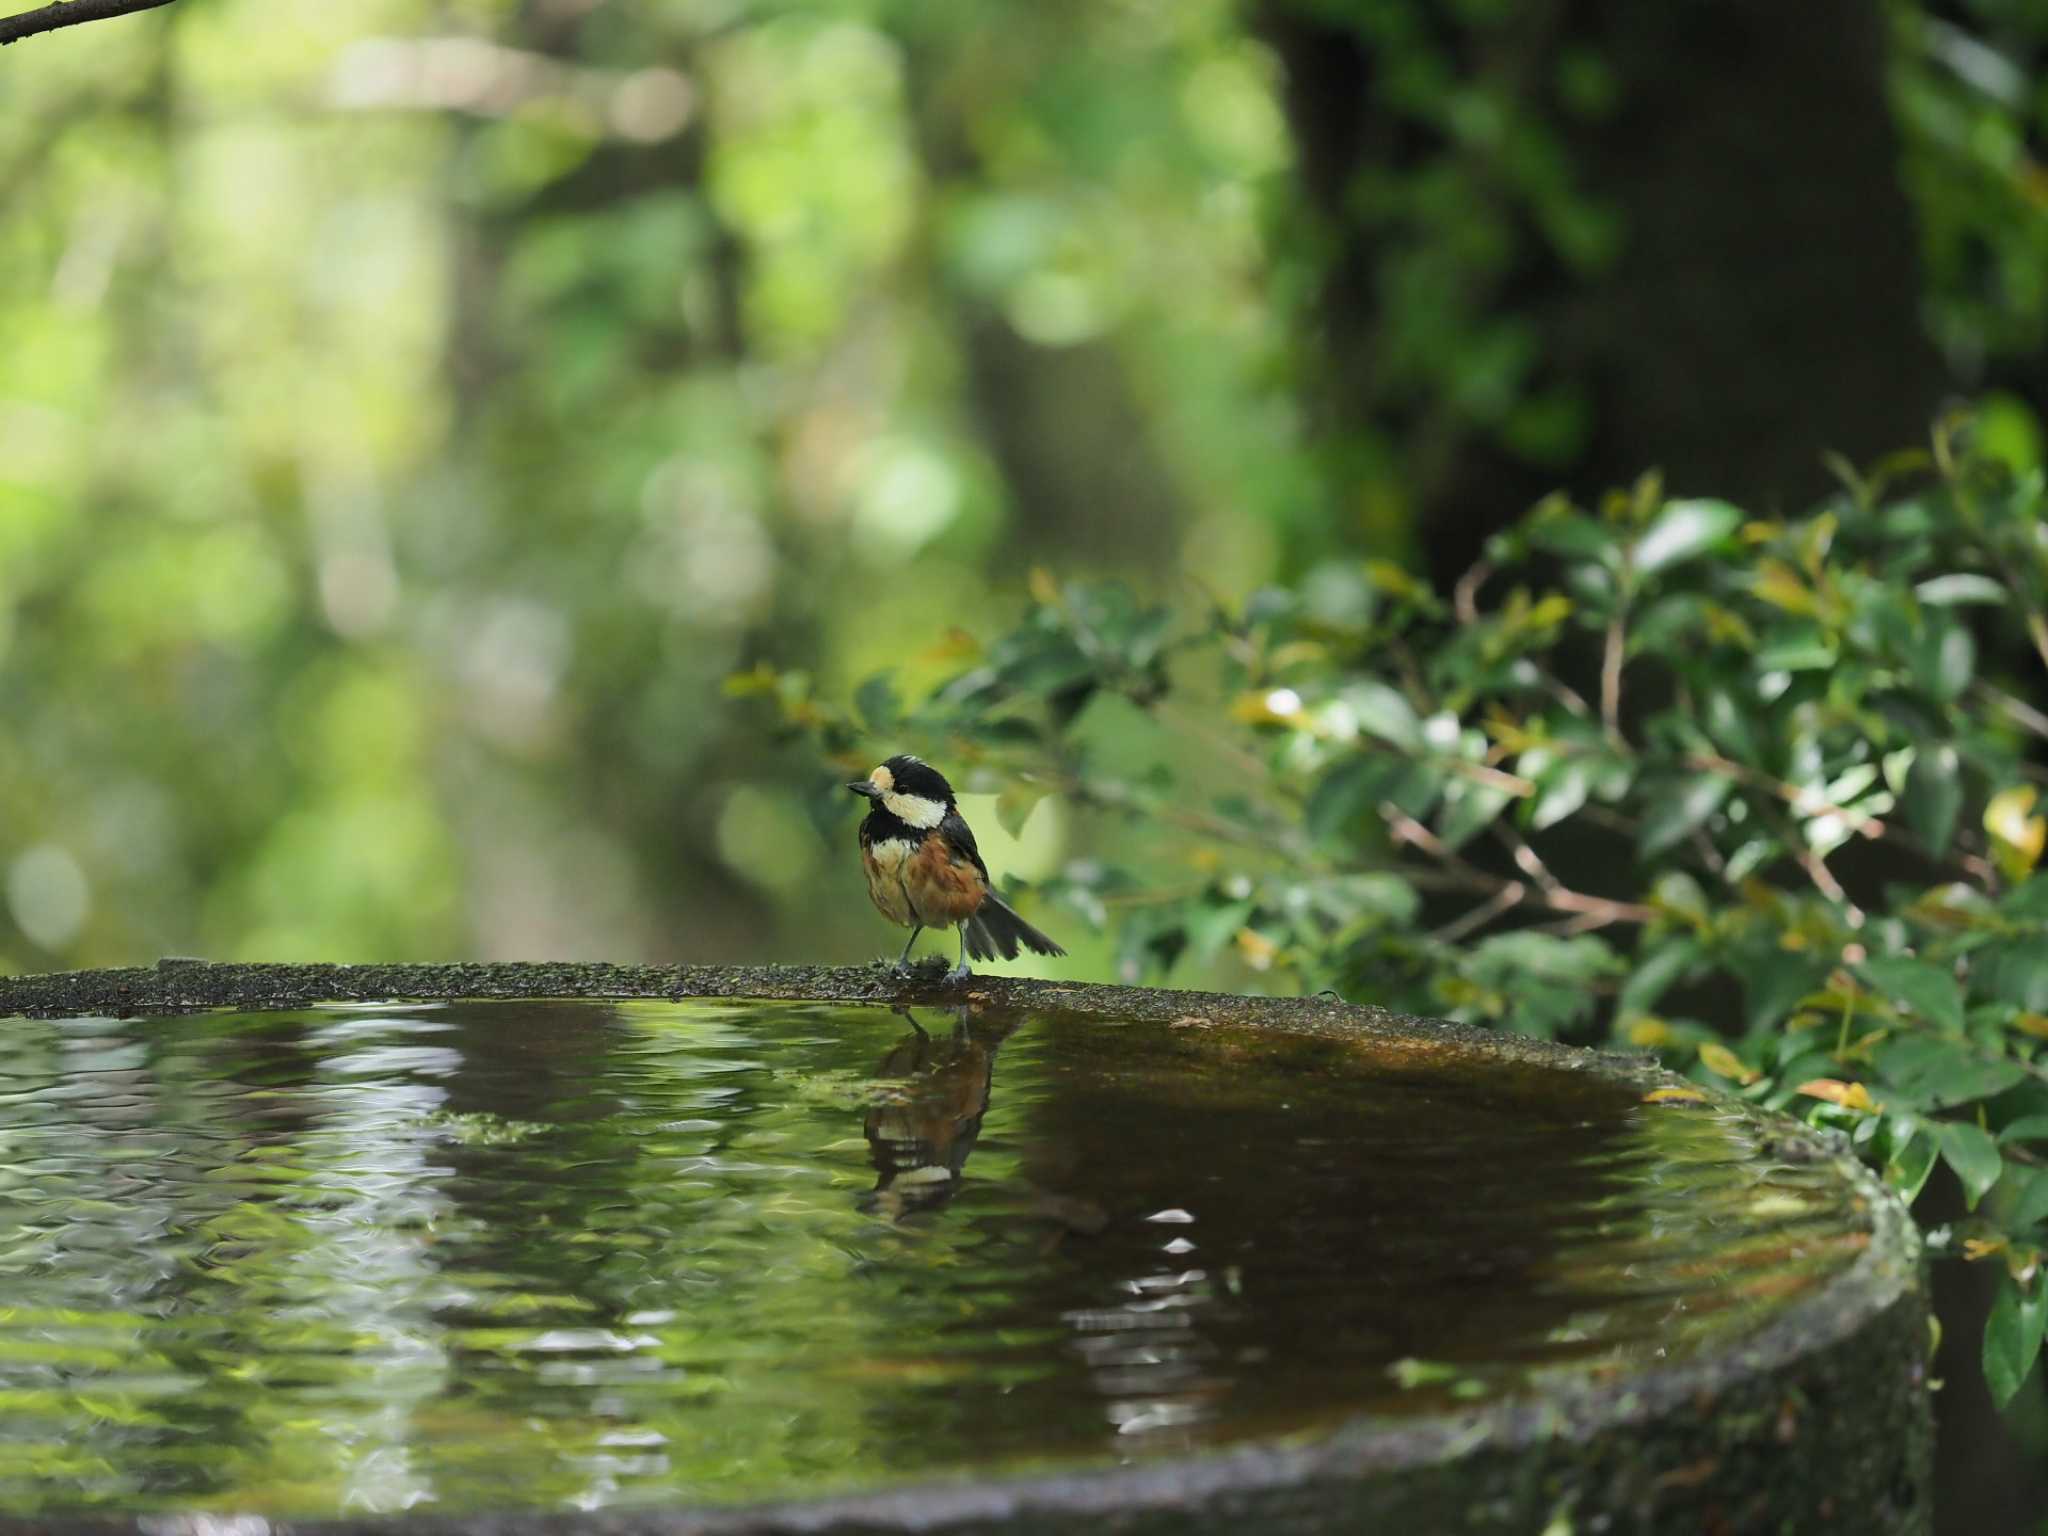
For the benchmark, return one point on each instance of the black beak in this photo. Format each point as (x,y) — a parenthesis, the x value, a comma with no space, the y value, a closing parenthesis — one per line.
(864,787)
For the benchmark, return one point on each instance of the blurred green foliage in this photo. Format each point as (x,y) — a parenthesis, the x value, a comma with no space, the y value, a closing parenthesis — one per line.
(423,427)
(410,416)
(1759,794)
(1973,113)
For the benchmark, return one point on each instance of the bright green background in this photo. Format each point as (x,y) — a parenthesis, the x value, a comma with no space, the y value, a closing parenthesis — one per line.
(411,414)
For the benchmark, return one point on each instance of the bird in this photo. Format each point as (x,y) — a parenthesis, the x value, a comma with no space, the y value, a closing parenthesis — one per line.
(924,871)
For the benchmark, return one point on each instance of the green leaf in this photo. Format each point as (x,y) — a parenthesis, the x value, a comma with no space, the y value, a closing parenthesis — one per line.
(1774,981)
(2031,1205)
(1749,858)
(1944,659)
(2012,1335)
(1468,806)
(1413,787)
(1934,796)
(1575,536)
(1956,662)
(1560,791)
(1683,529)
(1342,794)
(1930,990)
(2026,1128)
(1796,648)
(1974,1156)
(1209,928)
(1383,712)
(1677,809)
(1963,587)
(1014,807)
(1906,1170)
(2013,971)
(1356,786)
(1655,973)
(877,703)
(1728,725)
(1938,1073)
(2028,899)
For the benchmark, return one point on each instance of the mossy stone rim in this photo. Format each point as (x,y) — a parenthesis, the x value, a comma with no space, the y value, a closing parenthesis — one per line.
(1624,1453)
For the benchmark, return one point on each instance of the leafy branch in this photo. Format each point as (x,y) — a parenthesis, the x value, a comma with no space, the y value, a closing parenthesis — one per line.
(1805,862)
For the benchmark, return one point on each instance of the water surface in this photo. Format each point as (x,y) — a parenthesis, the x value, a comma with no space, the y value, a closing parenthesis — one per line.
(569,1255)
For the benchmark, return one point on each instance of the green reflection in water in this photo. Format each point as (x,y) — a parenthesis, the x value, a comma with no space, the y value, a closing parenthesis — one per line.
(571,1255)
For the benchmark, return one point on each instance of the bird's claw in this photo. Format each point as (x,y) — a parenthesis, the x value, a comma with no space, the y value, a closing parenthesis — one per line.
(958,974)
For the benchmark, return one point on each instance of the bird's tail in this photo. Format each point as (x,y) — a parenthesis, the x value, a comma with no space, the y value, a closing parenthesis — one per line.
(996,930)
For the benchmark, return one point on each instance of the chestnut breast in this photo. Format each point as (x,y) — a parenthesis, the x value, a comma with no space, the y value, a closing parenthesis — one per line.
(945,887)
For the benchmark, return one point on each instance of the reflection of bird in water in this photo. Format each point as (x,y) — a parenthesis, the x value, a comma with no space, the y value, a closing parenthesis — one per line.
(924,1123)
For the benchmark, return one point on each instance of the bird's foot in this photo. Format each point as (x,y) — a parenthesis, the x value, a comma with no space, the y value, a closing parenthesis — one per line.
(958,974)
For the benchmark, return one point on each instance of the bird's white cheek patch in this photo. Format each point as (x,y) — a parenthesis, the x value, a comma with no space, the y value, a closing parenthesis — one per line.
(915,810)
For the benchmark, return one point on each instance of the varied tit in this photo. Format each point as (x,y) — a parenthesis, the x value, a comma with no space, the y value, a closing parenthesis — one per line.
(925,872)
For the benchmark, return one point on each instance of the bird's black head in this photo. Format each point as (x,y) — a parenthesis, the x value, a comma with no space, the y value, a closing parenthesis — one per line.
(910,789)
(914,776)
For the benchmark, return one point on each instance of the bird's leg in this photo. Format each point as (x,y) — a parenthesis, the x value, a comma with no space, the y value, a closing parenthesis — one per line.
(960,971)
(903,960)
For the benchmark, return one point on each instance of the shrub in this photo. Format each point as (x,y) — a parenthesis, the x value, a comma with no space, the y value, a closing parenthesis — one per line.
(1751,793)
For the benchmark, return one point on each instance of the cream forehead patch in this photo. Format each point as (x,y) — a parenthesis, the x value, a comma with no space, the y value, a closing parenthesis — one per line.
(883,779)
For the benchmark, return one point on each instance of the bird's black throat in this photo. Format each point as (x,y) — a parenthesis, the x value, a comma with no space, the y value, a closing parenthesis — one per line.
(883,826)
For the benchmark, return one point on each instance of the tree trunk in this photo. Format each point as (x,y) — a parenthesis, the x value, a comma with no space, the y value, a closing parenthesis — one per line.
(1762,308)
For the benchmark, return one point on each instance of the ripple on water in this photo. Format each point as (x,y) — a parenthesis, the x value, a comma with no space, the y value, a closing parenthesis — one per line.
(575,1254)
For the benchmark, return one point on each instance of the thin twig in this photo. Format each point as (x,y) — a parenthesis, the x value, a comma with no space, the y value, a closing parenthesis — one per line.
(1411,675)
(1526,859)
(1610,678)
(1817,871)
(1465,595)
(1592,911)
(68,13)
(1572,927)
(1507,896)
(1568,697)
(1553,894)
(2021,712)
(1494,778)
(1407,829)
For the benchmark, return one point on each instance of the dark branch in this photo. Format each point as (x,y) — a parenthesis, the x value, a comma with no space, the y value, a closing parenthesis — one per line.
(68,13)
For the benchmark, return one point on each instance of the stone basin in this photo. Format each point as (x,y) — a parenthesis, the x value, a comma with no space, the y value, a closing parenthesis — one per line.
(587,1248)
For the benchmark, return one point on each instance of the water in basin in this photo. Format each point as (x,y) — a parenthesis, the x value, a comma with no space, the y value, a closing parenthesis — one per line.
(571,1255)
